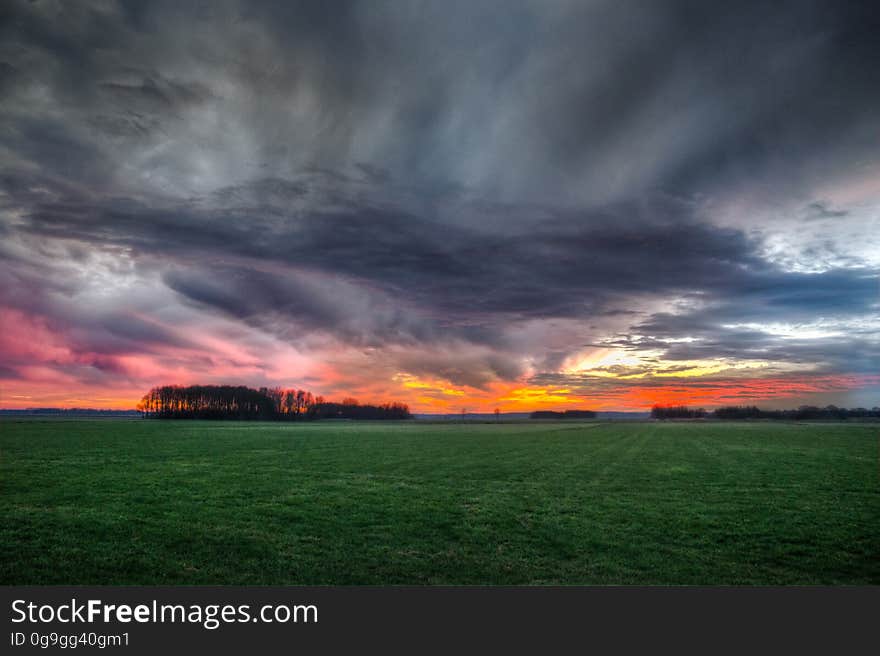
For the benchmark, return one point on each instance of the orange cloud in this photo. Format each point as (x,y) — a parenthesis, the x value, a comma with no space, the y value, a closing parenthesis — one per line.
(44,365)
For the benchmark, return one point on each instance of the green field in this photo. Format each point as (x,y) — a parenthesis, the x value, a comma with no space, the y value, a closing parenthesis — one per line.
(153,502)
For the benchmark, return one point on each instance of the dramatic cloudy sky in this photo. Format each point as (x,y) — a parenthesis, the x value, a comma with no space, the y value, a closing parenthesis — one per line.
(476,204)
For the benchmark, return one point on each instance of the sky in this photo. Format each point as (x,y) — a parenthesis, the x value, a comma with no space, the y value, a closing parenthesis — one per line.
(460,205)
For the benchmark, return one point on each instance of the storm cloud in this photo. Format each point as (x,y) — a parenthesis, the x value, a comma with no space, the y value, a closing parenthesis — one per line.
(481,195)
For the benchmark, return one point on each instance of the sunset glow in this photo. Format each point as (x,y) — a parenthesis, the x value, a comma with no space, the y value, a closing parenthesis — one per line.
(434,209)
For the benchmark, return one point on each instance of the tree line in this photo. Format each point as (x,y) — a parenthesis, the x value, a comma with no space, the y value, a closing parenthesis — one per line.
(677,412)
(240,402)
(568,414)
(753,412)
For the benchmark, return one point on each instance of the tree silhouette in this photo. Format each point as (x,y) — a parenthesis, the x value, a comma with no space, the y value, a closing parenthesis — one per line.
(228,402)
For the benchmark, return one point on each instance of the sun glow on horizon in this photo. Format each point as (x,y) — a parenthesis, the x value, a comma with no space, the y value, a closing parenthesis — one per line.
(408,381)
(616,363)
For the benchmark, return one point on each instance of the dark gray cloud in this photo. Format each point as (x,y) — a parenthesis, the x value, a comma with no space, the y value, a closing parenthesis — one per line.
(818,210)
(576,264)
(378,275)
(526,100)
(437,179)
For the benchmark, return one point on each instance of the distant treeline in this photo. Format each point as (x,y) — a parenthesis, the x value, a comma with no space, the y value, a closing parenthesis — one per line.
(357,411)
(568,414)
(753,412)
(677,412)
(803,412)
(240,402)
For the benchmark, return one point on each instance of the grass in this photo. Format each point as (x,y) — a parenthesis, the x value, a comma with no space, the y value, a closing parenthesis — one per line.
(150,502)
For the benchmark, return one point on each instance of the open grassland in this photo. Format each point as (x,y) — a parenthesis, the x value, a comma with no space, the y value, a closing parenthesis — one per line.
(152,502)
